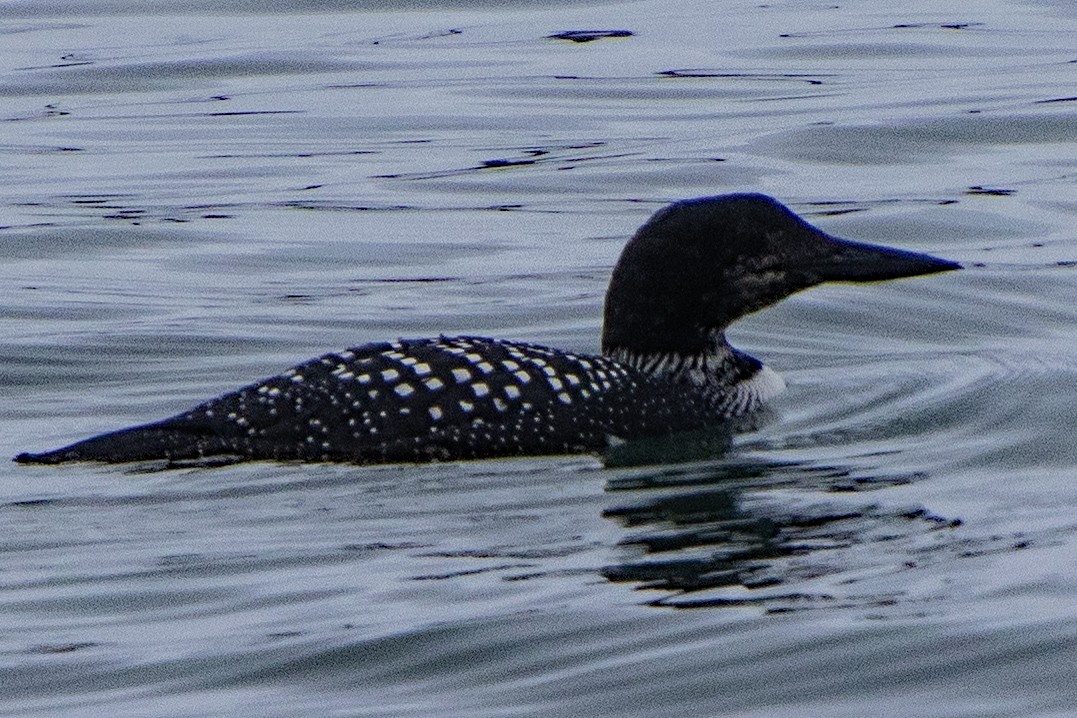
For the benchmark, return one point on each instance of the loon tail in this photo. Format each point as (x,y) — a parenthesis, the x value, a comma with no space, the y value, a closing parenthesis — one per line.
(165,440)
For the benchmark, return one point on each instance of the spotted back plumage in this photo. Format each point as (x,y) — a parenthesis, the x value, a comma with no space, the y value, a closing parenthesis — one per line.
(420,400)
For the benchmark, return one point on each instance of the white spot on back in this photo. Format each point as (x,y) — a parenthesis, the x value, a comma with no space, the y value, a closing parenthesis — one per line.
(480,389)
(433,383)
(390,375)
(461,375)
(435,412)
(404,389)
(512,392)
(421,369)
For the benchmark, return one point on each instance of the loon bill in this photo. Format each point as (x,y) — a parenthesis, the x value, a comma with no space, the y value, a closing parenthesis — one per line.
(666,367)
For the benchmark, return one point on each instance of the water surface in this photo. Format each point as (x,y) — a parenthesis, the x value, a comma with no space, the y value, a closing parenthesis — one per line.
(195,201)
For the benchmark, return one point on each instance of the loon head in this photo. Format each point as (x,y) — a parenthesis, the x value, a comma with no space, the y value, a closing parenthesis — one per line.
(698,265)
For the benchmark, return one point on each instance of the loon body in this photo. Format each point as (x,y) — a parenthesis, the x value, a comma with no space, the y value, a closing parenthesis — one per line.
(666,367)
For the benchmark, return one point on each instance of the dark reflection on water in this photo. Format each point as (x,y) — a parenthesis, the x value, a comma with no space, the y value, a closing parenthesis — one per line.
(689,446)
(700,529)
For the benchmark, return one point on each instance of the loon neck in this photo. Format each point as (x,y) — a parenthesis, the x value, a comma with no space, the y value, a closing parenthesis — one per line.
(715,364)
(733,381)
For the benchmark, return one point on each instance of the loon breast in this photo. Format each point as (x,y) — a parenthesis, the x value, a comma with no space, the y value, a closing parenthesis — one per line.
(692,269)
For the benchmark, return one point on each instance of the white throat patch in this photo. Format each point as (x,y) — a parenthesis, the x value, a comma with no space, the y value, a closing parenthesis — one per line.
(752,393)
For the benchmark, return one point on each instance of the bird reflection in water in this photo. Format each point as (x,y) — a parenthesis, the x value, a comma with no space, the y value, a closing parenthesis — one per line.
(783,537)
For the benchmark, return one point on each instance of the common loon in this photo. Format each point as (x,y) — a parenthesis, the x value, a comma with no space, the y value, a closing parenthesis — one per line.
(692,269)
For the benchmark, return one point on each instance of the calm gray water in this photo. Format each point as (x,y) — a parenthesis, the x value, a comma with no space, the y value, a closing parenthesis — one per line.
(191,202)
